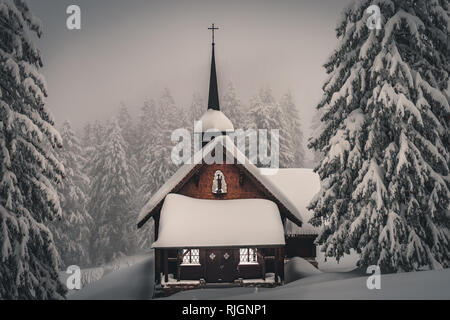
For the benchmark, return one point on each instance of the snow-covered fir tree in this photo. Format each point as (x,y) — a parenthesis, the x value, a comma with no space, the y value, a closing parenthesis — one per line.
(315,128)
(196,110)
(233,108)
(93,136)
(129,133)
(193,114)
(293,131)
(148,133)
(110,195)
(385,138)
(132,150)
(147,128)
(130,136)
(170,118)
(72,232)
(158,122)
(126,124)
(266,113)
(28,166)
(87,133)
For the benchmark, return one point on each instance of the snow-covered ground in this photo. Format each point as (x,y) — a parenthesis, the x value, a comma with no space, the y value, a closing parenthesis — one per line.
(90,275)
(416,285)
(128,278)
(136,282)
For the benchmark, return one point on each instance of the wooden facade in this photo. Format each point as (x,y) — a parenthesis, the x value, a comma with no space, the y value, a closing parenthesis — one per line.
(240,186)
(301,245)
(225,267)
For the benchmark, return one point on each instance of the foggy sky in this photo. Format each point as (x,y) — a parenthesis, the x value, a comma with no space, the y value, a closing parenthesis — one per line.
(131,50)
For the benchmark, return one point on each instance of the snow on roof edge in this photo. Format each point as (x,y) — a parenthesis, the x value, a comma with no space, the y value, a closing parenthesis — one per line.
(211,223)
(300,185)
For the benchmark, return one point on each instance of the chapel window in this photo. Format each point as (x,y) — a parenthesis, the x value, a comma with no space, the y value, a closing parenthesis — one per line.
(248,256)
(191,257)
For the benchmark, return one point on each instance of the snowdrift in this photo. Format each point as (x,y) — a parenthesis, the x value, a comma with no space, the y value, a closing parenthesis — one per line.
(298,268)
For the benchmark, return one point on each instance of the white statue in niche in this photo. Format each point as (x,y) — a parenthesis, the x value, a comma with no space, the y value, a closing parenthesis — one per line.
(219,185)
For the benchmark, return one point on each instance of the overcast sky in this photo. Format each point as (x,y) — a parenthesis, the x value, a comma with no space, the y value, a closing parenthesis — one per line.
(131,50)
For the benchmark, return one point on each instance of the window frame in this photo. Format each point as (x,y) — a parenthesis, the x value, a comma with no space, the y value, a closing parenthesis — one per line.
(250,256)
(190,254)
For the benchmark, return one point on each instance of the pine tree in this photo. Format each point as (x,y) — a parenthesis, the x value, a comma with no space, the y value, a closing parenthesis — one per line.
(157,163)
(169,119)
(132,150)
(109,205)
(87,134)
(94,135)
(232,107)
(315,127)
(129,133)
(28,166)
(147,128)
(148,134)
(196,111)
(72,232)
(293,132)
(266,113)
(385,138)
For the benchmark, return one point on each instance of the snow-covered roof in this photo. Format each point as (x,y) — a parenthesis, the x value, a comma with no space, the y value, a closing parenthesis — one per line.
(194,223)
(214,120)
(299,186)
(231,149)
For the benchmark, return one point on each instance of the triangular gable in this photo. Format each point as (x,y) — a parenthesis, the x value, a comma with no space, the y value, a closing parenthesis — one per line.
(185,172)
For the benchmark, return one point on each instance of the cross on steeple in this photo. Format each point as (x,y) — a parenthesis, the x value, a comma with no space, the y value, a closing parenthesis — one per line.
(212,28)
(213,101)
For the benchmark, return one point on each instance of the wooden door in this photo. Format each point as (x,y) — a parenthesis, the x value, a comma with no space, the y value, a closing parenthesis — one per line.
(213,262)
(228,266)
(220,266)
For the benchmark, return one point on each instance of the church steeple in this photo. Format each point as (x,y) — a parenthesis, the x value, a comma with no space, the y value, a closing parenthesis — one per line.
(213,120)
(213,100)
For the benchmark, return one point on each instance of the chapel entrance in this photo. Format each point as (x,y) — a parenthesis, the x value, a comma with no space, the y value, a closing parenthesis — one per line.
(220,266)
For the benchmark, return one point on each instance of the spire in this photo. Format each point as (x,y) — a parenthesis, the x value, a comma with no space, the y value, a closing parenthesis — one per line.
(213,101)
